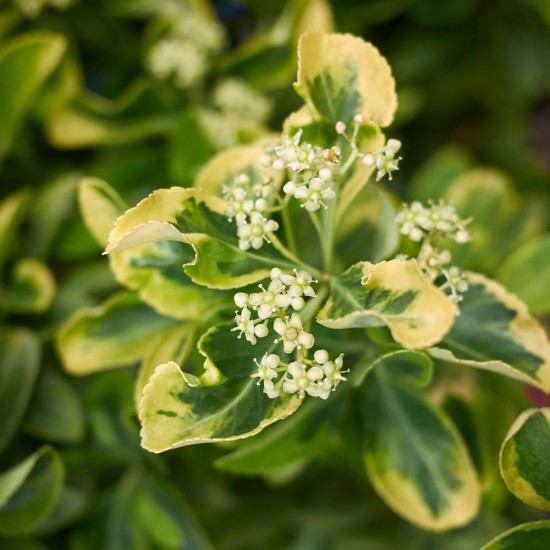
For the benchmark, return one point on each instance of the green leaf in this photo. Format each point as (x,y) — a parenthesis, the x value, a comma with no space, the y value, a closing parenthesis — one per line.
(488,197)
(369,219)
(219,262)
(434,490)
(494,331)
(528,536)
(152,219)
(145,512)
(525,273)
(88,120)
(51,207)
(29,491)
(19,365)
(155,271)
(438,172)
(222,405)
(393,293)
(340,75)
(55,412)
(32,288)
(301,437)
(114,334)
(25,64)
(525,458)
(228,164)
(175,345)
(100,206)
(12,210)
(402,365)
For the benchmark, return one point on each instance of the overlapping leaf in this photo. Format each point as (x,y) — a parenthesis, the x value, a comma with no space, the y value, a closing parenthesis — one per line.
(393,293)
(494,331)
(223,404)
(29,491)
(117,333)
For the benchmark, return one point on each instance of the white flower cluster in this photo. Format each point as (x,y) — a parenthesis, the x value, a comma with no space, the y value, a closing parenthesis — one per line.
(417,221)
(33,8)
(183,53)
(422,224)
(317,377)
(384,159)
(247,204)
(312,169)
(234,95)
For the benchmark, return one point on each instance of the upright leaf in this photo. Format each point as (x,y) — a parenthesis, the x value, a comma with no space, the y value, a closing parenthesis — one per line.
(29,491)
(19,366)
(417,460)
(526,273)
(100,206)
(525,458)
(25,64)
(340,75)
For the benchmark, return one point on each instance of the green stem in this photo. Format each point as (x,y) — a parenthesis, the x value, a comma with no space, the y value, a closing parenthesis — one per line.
(327,237)
(289,233)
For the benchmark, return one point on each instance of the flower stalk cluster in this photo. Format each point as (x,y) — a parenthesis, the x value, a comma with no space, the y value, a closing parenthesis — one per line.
(312,170)
(280,303)
(248,204)
(423,224)
(383,159)
(183,53)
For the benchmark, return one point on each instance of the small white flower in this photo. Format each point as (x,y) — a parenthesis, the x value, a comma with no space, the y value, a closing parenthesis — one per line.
(267,368)
(241,299)
(292,333)
(254,233)
(300,284)
(246,326)
(302,380)
(340,127)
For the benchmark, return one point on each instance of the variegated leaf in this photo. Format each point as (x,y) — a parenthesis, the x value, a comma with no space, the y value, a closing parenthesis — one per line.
(25,64)
(340,75)
(31,288)
(219,262)
(402,365)
(228,164)
(223,404)
(175,345)
(156,272)
(114,334)
(525,458)
(393,293)
(494,331)
(417,460)
(151,220)
(527,272)
(528,536)
(100,206)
